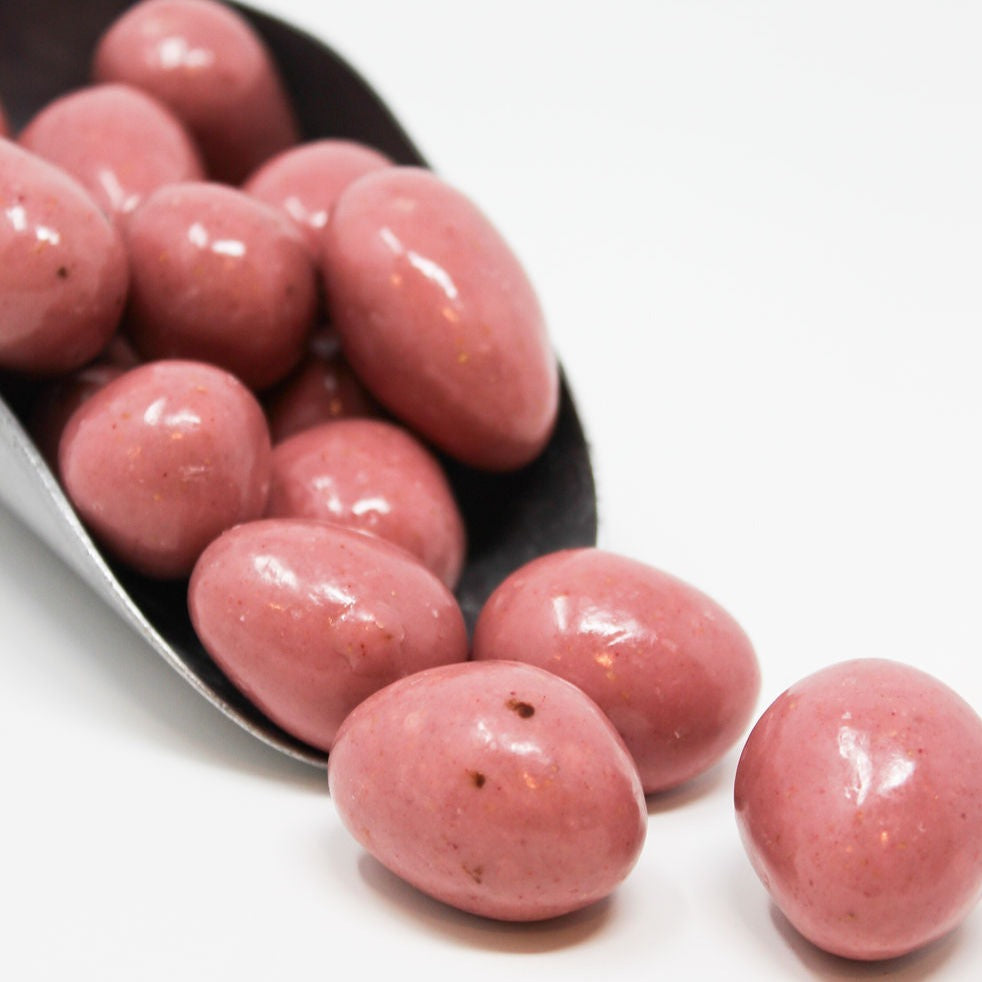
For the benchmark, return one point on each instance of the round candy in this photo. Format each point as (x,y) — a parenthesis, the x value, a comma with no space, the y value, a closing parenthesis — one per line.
(63,277)
(119,142)
(163,459)
(859,801)
(308,619)
(204,60)
(306,180)
(218,276)
(371,476)
(674,671)
(438,318)
(495,787)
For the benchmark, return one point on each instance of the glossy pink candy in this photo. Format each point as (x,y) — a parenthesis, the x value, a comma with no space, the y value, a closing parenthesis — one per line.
(859,801)
(163,459)
(495,787)
(438,318)
(204,60)
(119,142)
(63,275)
(306,180)
(220,277)
(308,619)
(674,671)
(371,476)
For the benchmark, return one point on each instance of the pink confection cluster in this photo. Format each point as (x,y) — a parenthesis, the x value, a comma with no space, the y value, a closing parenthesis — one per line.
(252,354)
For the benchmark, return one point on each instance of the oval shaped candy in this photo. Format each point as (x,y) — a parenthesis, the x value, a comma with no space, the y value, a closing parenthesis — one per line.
(163,459)
(204,60)
(438,318)
(119,142)
(64,275)
(218,276)
(374,477)
(306,180)
(859,801)
(495,787)
(308,619)
(675,673)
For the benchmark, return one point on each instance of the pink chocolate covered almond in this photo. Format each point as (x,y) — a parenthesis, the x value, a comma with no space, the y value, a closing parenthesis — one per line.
(495,787)
(204,60)
(119,142)
(439,319)
(63,274)
(672,669)
(308,619)
(859,801)
(371,476)
(163,459)
(306,180)
(218,276)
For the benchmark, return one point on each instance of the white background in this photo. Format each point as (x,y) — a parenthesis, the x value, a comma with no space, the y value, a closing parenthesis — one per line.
(757,231)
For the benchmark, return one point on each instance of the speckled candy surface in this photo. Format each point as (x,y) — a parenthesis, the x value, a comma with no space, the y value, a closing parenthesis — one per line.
(375,477)
(205,61)
(671,668)
(495,787)
(164,458)
(438,318)
(119,142)
(309,619)
(220,277)
(859,801)
(64,276)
